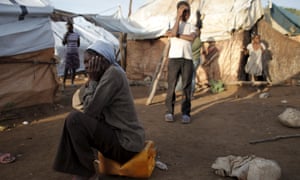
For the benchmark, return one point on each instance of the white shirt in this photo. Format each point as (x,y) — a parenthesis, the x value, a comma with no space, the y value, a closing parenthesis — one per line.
(254,63)
(180,48)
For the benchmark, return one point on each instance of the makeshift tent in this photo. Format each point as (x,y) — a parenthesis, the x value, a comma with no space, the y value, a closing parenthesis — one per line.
(280,31)
(284,52)
(26,50)
(226,22)
(153,19)
(229,23)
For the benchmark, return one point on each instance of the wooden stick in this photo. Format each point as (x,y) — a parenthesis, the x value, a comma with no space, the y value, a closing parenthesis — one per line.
(274,138)
(255,83)
(157,73)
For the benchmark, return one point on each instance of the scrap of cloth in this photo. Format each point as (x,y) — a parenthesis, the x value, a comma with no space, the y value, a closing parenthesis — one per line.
(247,168)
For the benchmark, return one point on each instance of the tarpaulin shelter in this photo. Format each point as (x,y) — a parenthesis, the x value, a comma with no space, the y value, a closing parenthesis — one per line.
(26,54)
(229,23)
(281,31)
(284,62)
(223,21)
(153,19)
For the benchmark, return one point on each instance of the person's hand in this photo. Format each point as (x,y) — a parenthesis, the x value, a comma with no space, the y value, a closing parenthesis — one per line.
(180,12)
(64,42)
(243,48)
(170,34)
(93,68)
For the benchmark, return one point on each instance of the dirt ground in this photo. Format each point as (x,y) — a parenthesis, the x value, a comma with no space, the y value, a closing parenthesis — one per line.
(222,124)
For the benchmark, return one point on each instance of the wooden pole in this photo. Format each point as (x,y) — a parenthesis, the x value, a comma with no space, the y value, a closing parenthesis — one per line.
(270,4)
(157,74)
(130,8)
(275,138)
(123,42)
(122,49)
(254,83)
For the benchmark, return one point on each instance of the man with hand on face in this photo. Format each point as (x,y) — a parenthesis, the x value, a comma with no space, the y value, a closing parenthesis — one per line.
(180,62)
(105,119)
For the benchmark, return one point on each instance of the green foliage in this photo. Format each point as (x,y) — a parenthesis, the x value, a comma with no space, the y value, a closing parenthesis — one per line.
(216,86)
(294,11)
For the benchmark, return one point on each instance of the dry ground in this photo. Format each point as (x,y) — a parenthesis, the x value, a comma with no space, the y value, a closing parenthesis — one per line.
(223,124)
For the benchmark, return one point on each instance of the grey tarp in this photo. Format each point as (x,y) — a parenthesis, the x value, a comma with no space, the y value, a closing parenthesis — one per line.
(28,74)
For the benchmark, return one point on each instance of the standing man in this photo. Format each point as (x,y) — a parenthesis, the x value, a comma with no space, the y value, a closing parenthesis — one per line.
(72,40)
(181,37)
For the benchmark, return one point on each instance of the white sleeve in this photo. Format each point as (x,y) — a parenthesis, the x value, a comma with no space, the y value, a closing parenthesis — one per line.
(263,46)
(193,29)
(76,102)
(249,47)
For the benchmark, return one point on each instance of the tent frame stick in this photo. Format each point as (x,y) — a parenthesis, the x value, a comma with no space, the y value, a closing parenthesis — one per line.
(157,74)
(275,138)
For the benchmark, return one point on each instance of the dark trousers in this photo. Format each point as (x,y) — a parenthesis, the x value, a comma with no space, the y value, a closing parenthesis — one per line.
(72,74)
(177,67)
(81,137)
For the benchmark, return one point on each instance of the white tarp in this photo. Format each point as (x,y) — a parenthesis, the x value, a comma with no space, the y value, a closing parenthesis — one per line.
(88,32)
(117,23)
(25,26)
(31,7)
(220,18)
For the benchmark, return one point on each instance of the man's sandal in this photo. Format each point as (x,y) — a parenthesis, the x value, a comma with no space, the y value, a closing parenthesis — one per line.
(6,158)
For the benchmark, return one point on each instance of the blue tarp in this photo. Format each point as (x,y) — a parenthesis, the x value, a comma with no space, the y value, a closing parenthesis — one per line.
(287,20)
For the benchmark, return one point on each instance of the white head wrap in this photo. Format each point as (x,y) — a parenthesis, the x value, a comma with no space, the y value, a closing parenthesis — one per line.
(105,49)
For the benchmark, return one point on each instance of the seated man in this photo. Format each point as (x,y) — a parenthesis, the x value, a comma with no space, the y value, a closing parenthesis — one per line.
(106,120)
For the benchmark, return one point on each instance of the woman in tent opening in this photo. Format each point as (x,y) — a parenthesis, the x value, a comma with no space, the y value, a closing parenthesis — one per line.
(255,51)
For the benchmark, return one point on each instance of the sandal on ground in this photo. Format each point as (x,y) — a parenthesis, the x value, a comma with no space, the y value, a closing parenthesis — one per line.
(6,158)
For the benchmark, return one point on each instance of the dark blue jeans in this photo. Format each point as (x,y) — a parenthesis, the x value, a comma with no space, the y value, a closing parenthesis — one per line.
(177,67)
